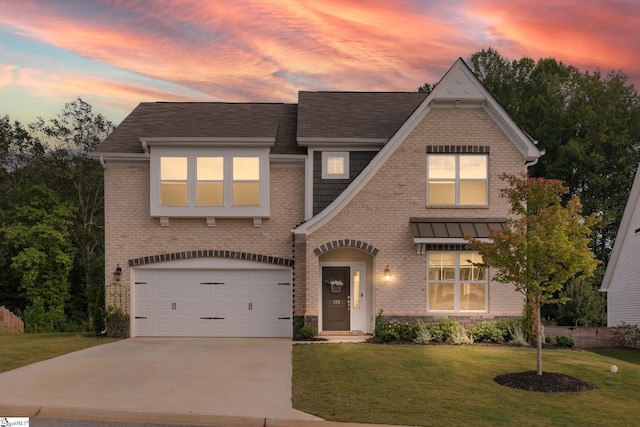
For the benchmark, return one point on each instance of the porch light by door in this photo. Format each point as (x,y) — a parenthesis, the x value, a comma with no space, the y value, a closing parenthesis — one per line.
(387,274)
(117,273)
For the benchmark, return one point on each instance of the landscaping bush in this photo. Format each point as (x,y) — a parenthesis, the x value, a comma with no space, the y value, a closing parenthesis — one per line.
(422,333)
(627,335)
(459,336)
(518,337)
(308,332)
(565,341)
(444,330)
(116,321)
(488,332)
(392,330)
(509,326)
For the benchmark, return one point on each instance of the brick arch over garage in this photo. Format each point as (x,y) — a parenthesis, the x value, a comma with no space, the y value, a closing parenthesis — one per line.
(346,243)
(246,256)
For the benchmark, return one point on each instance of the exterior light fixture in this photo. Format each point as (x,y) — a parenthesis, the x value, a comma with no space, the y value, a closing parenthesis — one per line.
(387,274)
(117,273)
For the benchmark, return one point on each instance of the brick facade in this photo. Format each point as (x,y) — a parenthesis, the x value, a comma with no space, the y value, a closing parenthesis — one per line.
(379,214)
(133,235)
(361,221)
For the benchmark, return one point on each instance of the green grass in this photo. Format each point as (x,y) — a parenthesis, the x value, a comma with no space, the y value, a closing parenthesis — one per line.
(18,350)
(444,385)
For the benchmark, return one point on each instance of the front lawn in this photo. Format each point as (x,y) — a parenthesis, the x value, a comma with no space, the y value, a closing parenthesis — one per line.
(446,385)
(18,350)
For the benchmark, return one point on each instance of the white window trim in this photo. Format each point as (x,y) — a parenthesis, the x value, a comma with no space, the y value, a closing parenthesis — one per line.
(325,159)
(457,180)
(156,210)
(457,282)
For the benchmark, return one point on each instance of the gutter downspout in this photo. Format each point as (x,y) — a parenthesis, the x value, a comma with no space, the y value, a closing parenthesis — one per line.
(102,163)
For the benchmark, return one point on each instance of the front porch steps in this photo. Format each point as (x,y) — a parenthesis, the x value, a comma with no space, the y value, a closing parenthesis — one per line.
(343,337)
(341,333)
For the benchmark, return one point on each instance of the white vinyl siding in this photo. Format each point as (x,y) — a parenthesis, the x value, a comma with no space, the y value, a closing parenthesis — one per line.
(623,296)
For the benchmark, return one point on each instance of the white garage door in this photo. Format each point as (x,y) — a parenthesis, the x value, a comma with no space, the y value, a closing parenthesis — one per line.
(212,303)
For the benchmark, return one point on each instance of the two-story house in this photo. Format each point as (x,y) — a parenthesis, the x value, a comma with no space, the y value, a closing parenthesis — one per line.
(252,219)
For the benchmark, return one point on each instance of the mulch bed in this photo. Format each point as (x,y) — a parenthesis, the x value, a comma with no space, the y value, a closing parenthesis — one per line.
(548,382)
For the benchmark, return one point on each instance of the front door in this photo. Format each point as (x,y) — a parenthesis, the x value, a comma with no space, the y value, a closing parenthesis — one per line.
(336,291)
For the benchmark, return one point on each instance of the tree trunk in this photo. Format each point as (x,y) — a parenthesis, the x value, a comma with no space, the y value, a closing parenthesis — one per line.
(538,336)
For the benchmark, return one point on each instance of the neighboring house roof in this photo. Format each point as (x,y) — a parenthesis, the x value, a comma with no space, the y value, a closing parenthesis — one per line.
(458,86)
(205,120)
(353,116)
(631,210)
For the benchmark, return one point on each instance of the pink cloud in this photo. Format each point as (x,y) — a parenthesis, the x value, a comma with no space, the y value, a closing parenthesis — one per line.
(264,49)
(590,35)
(267,50)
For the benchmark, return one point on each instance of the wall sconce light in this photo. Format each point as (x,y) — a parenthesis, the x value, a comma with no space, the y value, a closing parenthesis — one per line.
(117,273)
(387,274)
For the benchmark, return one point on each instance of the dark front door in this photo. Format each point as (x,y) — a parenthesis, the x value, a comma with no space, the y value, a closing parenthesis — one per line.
(335,299)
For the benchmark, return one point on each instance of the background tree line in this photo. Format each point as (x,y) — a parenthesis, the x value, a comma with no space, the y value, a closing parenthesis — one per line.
(588,124)
(52,205)
(52,218)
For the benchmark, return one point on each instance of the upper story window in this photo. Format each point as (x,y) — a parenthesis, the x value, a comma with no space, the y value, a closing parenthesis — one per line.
(455,282)
(173,181)
(210,182)
(335,165)
(457,179)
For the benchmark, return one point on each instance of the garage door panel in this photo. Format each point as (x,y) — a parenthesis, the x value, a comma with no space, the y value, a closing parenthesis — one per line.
(245,303)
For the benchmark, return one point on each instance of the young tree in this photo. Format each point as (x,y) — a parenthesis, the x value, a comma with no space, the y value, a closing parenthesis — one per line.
(543,245)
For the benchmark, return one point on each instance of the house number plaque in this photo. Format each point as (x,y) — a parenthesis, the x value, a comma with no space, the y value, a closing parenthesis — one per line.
(337,301)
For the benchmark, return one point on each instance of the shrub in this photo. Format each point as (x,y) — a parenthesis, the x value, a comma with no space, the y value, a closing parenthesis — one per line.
(443,330)
(392,330)
(459,335)
(565,341)
(508,326)
(627,335)
(422,333)
(116,321)
(518,337)
(98,311)
(487,332)
(308,332)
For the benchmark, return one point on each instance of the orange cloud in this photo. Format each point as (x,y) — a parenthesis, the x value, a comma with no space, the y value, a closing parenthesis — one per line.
(262,49)
(590,35)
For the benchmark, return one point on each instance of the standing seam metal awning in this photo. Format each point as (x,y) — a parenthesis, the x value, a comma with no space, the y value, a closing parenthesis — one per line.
(437,231)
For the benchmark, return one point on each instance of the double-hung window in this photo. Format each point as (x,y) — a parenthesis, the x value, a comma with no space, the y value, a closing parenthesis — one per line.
(456,282)
(457,179)
(209,182)
(173,181)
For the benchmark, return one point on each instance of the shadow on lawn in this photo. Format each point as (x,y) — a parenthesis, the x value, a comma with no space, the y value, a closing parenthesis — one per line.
(624,354)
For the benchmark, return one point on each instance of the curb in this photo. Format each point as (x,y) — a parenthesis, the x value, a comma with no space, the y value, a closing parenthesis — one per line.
(171,418)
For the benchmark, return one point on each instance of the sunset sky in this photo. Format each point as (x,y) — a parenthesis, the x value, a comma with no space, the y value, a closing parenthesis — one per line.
(115,54)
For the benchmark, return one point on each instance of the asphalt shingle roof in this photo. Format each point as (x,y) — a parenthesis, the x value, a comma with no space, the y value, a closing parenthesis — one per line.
(354,114)
(319,114)
(204,119)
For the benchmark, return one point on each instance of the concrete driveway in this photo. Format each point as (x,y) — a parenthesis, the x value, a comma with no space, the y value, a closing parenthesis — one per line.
(171,378)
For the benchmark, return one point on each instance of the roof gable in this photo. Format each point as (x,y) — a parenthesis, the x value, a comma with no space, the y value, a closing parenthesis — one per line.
(630,218)
(458,86)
